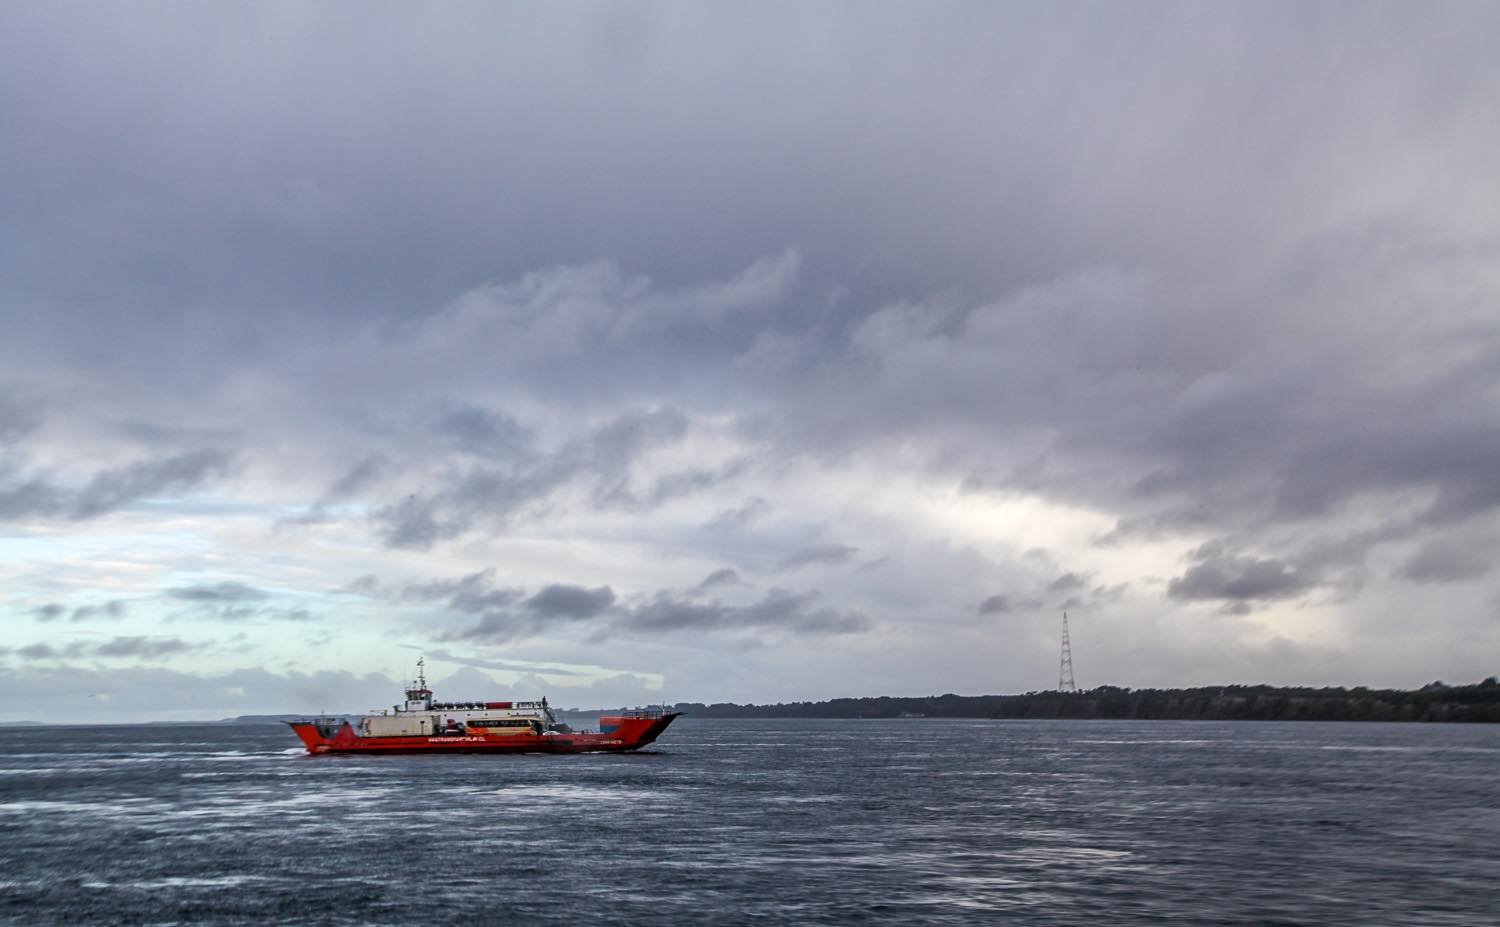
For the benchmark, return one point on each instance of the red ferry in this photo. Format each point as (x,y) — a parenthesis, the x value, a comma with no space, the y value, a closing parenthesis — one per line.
(427,726)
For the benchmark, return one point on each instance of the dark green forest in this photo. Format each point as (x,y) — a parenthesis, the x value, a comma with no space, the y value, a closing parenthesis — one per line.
(1433,702)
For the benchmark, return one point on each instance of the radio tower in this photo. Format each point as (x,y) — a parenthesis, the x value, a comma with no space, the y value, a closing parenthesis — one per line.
(1065,681)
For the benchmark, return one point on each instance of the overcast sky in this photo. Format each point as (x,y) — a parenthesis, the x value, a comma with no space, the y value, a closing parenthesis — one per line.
(628,352)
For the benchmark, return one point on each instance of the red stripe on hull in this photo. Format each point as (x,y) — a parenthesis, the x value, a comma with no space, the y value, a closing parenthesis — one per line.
(630,734)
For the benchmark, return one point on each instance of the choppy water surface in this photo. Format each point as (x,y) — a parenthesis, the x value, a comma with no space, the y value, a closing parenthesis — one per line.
(898,822)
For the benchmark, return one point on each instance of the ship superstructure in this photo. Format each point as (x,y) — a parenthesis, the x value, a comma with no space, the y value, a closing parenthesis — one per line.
(423,724)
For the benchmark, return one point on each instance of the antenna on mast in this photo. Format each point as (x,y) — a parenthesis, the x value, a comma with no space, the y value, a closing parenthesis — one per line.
(1065,681)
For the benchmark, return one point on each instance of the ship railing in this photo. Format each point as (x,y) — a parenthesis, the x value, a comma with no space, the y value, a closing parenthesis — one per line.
(326,725)
(650,711)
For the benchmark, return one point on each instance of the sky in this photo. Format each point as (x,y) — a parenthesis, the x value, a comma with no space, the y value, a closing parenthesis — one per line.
(625,353)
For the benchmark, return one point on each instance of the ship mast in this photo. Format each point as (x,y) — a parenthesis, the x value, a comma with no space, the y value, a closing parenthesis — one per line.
(418,696)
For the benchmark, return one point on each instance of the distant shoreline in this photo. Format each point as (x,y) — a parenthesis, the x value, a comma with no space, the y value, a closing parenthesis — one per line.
(1433,703)
(1478,703)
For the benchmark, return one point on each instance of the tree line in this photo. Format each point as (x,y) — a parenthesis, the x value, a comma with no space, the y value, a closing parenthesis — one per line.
(1436,701)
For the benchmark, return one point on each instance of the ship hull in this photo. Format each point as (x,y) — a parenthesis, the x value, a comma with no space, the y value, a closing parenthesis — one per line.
(626,734)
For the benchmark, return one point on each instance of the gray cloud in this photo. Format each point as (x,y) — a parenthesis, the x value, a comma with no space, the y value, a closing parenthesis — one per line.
(26,498)
(18,416)
(661,612)
(228,591)
(492,495)
(367,585)
(1068,582)
(114,608)
(147,647)
(485,432)
(39,652)
(1004,604)
(314,283)
(778,609)
(999,604)
(108,490)
(1221,575)
(358,478)
(741,515)
(681,483)
(235,602)
(234,614)
(1446,561)
(113,489)
(826,555)
(471,594)
(115,648)
(722,577)
(508,612)
(571,602)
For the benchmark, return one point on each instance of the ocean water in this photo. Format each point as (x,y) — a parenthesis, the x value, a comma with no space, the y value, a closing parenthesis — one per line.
(764,822)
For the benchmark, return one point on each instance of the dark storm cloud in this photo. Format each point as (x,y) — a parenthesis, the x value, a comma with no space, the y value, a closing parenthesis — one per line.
(1428,437)
(1221,575)
(228,591)
(825,555)
(862,188)
(1091,362)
